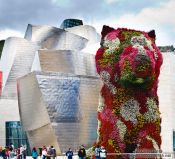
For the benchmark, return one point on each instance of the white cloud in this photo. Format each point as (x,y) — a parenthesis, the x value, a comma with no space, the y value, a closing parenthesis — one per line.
(161,19)
(4,34)
(163,15)
(111,1)
(61,3)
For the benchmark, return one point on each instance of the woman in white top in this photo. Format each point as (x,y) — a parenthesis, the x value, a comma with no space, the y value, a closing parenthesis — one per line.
(103,153)
(44,153)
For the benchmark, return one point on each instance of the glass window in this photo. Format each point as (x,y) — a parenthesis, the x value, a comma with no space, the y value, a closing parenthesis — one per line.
(16,135)
(71,23)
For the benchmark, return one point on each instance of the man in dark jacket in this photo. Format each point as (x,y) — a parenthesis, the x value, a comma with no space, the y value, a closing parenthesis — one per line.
(82,152)
(3,154)
(52,152)
(69,154)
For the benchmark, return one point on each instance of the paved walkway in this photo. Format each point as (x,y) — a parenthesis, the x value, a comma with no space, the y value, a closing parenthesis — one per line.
(58,157)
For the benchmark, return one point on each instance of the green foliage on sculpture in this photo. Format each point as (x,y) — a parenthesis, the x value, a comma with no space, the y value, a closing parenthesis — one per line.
(128,63)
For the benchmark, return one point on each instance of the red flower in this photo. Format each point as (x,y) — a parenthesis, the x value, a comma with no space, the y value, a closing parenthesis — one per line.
(146,144)
(98,56)
(121,36)
(112,36)
(107,96)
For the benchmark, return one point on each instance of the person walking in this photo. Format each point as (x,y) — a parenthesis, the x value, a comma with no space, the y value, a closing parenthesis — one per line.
(69,154)
(7,152)
(40,151)
(48,156)
(0,152)
(11,147)
(44,152)
(3,153)
(97,152)
(24,147)
(52,152)
(12,152)
(34,153)
(103,153)
(21,149)
(82,152)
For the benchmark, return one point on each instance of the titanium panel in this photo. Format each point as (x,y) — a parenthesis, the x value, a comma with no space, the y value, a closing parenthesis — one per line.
(16,61)
(49,37)
(33,114)
(86,31)
(32,107)
(67,61)
(43,136)
(36,63)
(92,48)
(71,102)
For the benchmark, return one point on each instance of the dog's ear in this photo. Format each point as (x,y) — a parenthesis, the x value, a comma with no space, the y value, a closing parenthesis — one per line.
(152,35)
(105,30)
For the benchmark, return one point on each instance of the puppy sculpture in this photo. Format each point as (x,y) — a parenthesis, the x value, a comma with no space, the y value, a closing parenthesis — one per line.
(128,63)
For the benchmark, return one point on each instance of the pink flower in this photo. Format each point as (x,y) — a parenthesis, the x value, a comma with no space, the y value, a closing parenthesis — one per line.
(112,36)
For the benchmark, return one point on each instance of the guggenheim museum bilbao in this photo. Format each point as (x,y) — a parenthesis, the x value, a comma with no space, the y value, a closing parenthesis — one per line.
(50,84)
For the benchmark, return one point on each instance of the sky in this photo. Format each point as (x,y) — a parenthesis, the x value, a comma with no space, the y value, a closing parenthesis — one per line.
(143,15)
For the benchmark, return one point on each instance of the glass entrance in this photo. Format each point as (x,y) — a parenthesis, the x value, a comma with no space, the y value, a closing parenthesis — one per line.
(16,135)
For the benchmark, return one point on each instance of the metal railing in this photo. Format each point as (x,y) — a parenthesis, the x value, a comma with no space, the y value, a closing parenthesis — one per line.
(163,155)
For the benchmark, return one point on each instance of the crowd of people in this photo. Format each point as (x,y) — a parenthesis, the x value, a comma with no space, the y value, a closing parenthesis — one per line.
(10,152)
(49,152)
(45,152)
(99,153)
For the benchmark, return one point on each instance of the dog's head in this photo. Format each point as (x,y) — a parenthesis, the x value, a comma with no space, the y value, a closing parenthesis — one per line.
(129,57)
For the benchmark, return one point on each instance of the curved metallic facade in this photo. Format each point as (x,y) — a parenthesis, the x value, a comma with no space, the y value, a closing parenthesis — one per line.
(86,31)
(60,106)
(49,37)
(16,61)
(56,108)
(66,103)
(67,61)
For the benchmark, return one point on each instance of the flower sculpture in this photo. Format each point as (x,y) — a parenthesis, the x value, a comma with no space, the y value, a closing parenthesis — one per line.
(128,62)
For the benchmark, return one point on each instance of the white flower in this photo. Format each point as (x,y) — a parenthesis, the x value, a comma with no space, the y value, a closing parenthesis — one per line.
(155,145)
(90,151)
(130,110)
(98,130)
(148,44)
(112,88)
(122,129)
(101,104)
(138,40)
(111,45)
(105,76)
(153,113)
(141,50)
